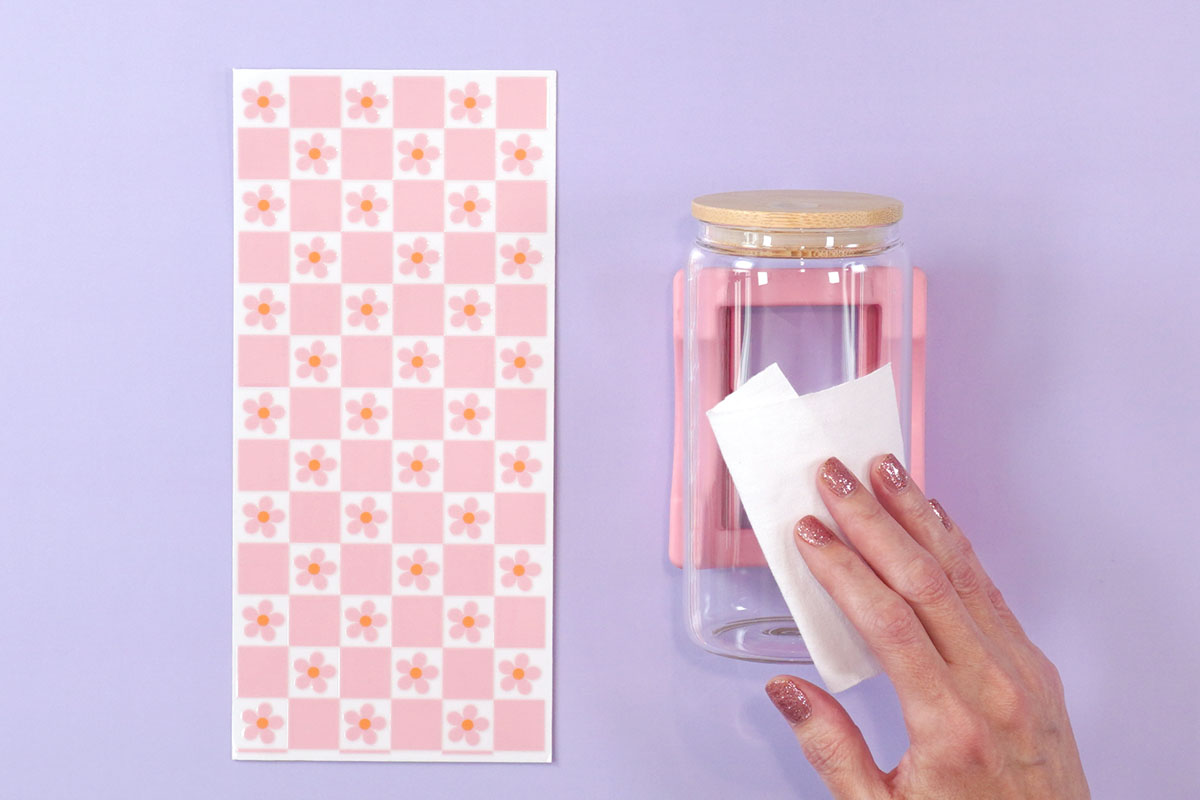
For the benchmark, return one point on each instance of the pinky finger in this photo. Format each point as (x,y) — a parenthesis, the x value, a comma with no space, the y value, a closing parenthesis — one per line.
(831,741)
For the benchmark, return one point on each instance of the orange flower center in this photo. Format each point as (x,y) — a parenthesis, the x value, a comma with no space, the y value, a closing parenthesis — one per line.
(314,672)
(314,153)
(468,518)
(518,466)
(518,570)
(264,516)
(417,153)
(415,673)
(264,205)
(519,155)
(469,413)
(416,569)
(417,258)
(519,258)
(314,256)
(264,308)
(468,622)
(366,413)
(366,309)
(365,620)
(468,724)
(263,413)
(416,465)
(519,362)
(263,620)
(417,361)
(469,309)
(364,723)
(469,206)
(263,101)
(518,673)
(314,361)
(365,205)
(365,516)
(262,722)
(314,465)
(367,102)
(314,569)
(469,102)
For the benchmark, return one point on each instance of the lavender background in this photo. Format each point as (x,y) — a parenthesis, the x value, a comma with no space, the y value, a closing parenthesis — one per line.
(1047,155)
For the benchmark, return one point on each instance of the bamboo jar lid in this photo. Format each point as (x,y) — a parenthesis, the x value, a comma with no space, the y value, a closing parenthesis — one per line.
(784,209)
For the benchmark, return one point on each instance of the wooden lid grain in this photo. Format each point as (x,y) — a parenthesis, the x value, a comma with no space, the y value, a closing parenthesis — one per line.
(782,209)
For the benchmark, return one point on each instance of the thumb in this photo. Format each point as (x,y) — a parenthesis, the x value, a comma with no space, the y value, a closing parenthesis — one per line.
(831,741)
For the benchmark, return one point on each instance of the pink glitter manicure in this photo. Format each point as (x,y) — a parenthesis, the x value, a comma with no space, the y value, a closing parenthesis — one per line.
(838,478)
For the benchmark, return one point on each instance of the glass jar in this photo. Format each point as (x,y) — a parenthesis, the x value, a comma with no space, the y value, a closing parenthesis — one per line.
(820,283)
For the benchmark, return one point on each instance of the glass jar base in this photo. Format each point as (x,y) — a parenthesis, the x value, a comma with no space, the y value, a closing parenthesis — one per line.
(769,639)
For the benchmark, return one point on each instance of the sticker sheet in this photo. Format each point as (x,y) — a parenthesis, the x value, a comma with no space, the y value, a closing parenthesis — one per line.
(393,415)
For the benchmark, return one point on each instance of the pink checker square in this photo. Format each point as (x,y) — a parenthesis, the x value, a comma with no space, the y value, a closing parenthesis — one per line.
(263,361)
(467,673)
(316,205)
(418,310)
(468,466)
(417,517)
(314,516)
(366,569)
(520,622)
(416,725)
(470,362)
(262,672)
(263,257)
(520,518)
(366,153)
(262,465)
(314,621)
(520,102)
(366,257)
(316,101)
(263,153)
(419,205)
(419,101)
(468,569)
(521,310)
(262,569)
(315,413)
(417,414)
(470,258)
(521,207)
(313,724)
(520,725)
(470,154)
(366,671)
(417,621)
(316,309)
(366,466)
(521,414)
(366,361)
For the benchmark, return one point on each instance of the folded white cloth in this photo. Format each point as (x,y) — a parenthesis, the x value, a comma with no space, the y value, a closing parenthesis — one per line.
(773,442)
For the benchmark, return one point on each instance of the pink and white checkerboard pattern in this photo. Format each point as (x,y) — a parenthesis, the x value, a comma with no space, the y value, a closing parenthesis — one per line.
(393,407)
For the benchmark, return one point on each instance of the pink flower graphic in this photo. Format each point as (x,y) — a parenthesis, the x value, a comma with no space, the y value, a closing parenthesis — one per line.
(314,569)
(262,413)
(520,258)
(417,154)
(469,310)
(417,257)
(263,308)
(315,154)
(519,571)
(365,102)
(262,205)
(466,725)
(468,205)
(314,465)
(417,361)
(467,414)
(315,361)
(262,620)
(518,674)
(365,415)
(416,674)
(261,102)
(315,256)
(467,621)
(519,467)
(314,672)
(417,465)
(364,723)
(519,362)
(415,571)
(520,155)
(365,621)
(366,310)
(469,102)
(366,205)
(262,516)
(261,724)
(365,518)
(467,518)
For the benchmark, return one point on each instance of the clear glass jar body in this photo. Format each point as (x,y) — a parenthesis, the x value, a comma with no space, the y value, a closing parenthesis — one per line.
(828,306)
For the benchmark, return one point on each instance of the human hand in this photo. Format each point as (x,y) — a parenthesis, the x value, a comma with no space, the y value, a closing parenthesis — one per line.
(983,706)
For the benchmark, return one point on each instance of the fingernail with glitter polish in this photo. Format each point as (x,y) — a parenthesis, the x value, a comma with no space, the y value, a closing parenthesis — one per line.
(787,696)
(895,477)
(813,531)
(940,513)
(839,479)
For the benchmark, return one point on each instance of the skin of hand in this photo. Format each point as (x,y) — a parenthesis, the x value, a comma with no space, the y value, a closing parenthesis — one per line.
(983,706)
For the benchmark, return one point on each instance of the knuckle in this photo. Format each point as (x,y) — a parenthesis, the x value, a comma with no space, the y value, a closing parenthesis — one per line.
(964,578)
(926,584)
(826,752)
(867,513)
(893,625)
(1008,701)
(964,549)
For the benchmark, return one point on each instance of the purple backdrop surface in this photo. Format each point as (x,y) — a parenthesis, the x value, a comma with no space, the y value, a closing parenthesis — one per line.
(1047,156)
